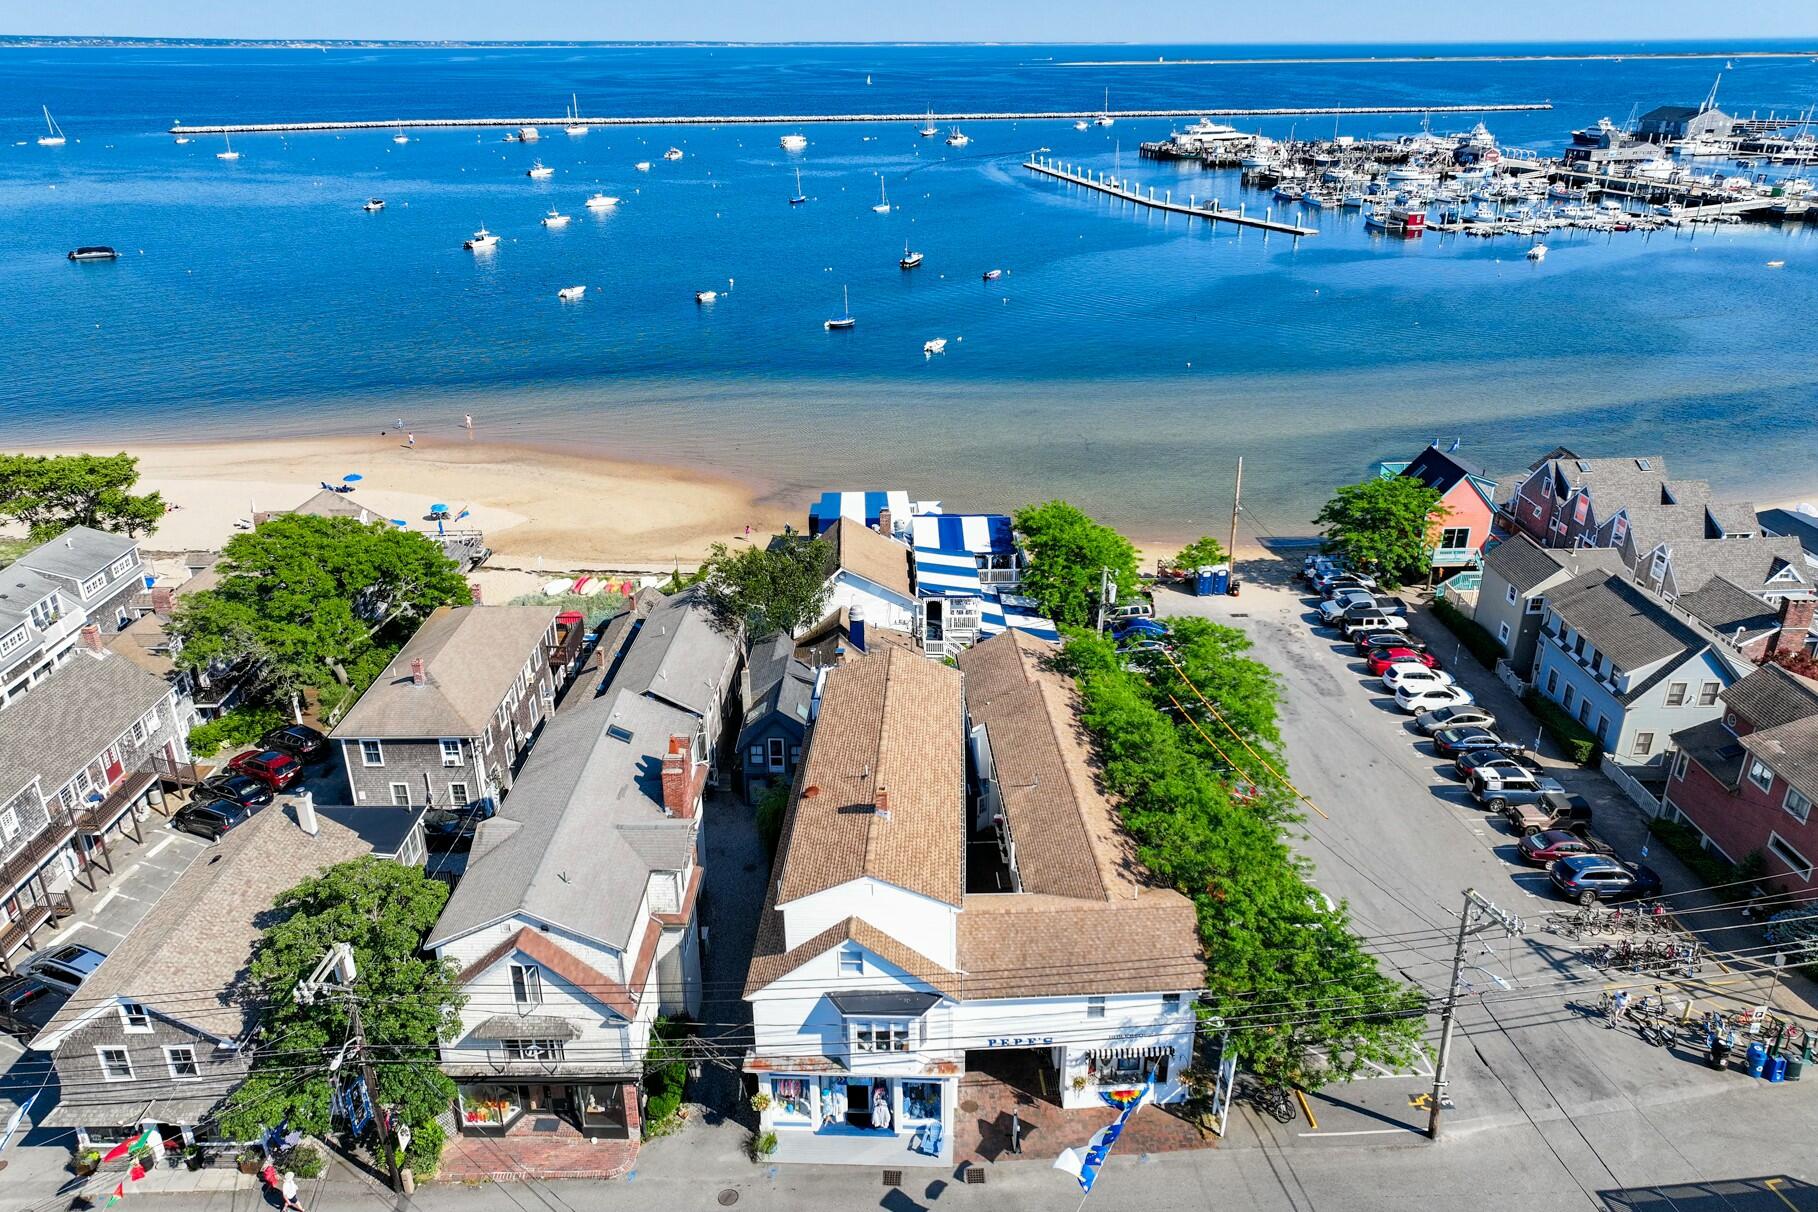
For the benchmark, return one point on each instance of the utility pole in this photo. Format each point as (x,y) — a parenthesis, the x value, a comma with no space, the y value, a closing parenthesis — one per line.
(1237,499)
(372,1090)
(1476,916)
(335,973)
(1107,596)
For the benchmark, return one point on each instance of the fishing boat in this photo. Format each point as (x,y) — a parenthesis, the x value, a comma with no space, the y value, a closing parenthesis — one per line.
(529,134)
(937,346)
(642,166)
(793,142)
(1082,124)
(555,218)
(400,137)
(845,319)
(539,171)
(568,294)
(883,199)
(1104,115)
(909,259)
(602,202)
(373,204)
(930,129)
(1537,253)
(674,153)
(94,252)
(958,140)
(182,139)
(799,197)
(230,153)
(53,134)
(992,275)
(575,125)
(481,241)
(706,296)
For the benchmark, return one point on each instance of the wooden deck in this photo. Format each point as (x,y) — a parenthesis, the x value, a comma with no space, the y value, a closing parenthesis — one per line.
(1199,210)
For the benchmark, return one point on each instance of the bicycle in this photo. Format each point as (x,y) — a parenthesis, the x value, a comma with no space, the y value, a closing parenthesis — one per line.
(1272,1100)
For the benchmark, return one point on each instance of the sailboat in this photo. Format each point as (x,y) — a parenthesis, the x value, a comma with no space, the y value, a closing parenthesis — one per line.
(883,199)
(1104,115)
(575,125)
(800,197)
(400,137)
(230,153)
(930,130)
(54,133)
(844,319)
(910,259)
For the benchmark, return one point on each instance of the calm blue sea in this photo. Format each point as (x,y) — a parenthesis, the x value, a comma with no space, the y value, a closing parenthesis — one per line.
(1123,360)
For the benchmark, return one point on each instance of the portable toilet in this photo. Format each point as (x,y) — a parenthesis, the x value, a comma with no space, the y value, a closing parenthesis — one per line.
(1221,579)
(1202,581)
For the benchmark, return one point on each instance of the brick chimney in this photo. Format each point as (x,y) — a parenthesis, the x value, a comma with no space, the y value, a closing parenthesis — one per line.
(162,600)
(1795,626)
(91,638)
(880,803)
(884,521)
(419,671)
(678,776)
(473,588)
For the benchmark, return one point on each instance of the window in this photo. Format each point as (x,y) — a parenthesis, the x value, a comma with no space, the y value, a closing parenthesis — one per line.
(1679,765)
(1581,510)
(526,985)
(878,1035)
(1707,694)
(1511,595)
(1802,866)
(457,794)
(533,1049)
(1760,775)
(92,586)
(451,753)
(1170,1002)
(151,720)
(1095,1007)
(137,1020)
(1552,680)
(1584,711)
(852,962)
(138,732)
(9,824)
(778,745)
(182,1062)
(1644,744)
(1675,696)
(1603,729)
(795,755)
(122,564)
(1502,633)
(372,753)
(116,1065)
(1455,536)
(1571,696)
(13,640)
(757,755)
(1797,804)
(400,794)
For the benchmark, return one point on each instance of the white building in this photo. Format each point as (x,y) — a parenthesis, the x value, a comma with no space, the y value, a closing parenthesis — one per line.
(952,893)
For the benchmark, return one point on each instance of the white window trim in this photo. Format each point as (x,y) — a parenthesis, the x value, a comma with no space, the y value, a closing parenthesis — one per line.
(395,801)
(532,982)
(1786,802)
(459,757)
(372,763)
(94,584)
(106,1074)
(1685,694)
(1783,850)
(1757,764)
(9,824)
(1637,750)
(851,962)
(170,1062)
(461,799)
(875,1024)
(126,1019)
(1511,595)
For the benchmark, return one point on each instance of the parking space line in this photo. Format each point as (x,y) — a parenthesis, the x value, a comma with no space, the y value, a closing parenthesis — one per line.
(105,901)
(57,938)
(155,851)
(1362,1132)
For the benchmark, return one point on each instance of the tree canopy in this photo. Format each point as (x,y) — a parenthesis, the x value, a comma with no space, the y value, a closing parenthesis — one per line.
(316,602)
(1067,551)
(408,1001)
(51,493)
(1386,524)
(1205,551)
(760,590)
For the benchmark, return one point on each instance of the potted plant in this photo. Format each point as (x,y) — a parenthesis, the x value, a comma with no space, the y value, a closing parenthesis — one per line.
(250,1160)
(760,1102)
(193,1157)
(761,1146)
(85,1162)
(1079,1083)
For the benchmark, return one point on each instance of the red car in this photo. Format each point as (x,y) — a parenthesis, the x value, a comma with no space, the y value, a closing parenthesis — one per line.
(273,767)
(1382,658)
(1542,848)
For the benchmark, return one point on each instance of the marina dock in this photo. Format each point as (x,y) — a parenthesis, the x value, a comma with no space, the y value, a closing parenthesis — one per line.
(256,128)
(1201,210)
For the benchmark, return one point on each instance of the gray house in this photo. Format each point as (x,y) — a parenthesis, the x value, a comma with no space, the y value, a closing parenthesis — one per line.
(165,1029)
(1518,574)
(778,693)
(100,573)
(675,655)
(1629,668)
(448,720)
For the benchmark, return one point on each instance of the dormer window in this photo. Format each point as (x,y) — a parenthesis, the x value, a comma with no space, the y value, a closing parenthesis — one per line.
(878,1034)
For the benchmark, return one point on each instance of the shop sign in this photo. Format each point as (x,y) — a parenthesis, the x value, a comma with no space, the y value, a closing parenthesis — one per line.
(1019,1041)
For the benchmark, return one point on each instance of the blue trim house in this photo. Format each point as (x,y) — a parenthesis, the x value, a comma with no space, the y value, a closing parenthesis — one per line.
(967,571)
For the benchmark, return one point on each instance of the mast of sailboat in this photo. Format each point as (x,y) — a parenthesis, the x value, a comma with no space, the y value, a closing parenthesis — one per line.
(1710,101)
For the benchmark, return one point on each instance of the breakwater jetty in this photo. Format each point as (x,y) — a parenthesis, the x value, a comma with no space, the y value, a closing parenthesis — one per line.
(1211,211)
(255,128)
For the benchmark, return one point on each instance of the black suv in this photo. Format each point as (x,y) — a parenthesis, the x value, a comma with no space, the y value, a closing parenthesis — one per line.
(299,740)
(240,789)
(211,819)
(27,1004)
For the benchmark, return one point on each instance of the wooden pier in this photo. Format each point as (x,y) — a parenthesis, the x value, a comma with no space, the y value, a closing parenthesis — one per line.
(255,128)
(1199,210)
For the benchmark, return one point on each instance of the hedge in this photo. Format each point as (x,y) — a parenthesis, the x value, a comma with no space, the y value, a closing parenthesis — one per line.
(1685,843)
(238,726)
(1577,740)
(1482,644)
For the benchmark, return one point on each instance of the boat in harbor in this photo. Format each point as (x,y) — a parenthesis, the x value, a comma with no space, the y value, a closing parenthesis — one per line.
(845,319)
(1537,253)
(555,218)
(400,137)
(706,296)
(182,139)
(883,199)
(1104,115)
(958,140)
(929,130)
(575,125)
(230,153)
(936,346)
(373,204)
(481,241)
(1399,219)
(568,294)
(799,197)
(539,171)
(642,166)
(909,260)
(94,252)
(1082,124)
(53,134)
(674,153)
(793,142)
(602,202)
(529,134)
(992,275)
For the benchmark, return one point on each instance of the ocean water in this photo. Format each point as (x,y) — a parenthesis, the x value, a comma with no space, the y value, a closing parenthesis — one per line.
(1123,360)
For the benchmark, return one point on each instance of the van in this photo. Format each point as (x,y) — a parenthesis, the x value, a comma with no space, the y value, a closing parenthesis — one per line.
(1124,611)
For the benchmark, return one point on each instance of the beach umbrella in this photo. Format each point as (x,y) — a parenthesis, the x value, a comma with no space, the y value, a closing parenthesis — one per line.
(399,522)
(353,478)
(438,508)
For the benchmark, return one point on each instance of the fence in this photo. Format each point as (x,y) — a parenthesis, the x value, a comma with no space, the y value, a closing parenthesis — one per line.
(1644,799)
(1507,675)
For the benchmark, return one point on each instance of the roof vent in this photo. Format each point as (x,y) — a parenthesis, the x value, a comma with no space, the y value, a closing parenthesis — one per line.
(1644,464)
(810,791)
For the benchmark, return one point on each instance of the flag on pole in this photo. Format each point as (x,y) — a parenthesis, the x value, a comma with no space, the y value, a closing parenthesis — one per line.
(1083,1164)
(148,1139)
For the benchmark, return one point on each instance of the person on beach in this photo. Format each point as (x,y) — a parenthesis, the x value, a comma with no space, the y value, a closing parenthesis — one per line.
(467,421)
(290,1193)
(410,440)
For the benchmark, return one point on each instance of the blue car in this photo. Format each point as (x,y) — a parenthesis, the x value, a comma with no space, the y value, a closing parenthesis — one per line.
(1139,629)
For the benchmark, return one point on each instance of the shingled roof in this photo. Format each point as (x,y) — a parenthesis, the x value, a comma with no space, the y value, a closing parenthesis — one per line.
(472,655)
(1626,624)
(1771,696)
(1791,751)
(86,704)
(866,553)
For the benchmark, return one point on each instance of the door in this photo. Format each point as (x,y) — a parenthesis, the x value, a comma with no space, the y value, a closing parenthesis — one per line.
(112,762)
(858,1102)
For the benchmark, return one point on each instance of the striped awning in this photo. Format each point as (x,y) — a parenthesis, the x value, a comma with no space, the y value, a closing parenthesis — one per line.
(1143,1052)
(1034,624)
(861,507)
(941,572)
(973,532)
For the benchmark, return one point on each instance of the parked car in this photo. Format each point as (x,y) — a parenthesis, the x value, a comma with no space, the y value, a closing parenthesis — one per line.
(1589,878)
(1472,760)
(1464,715)
(1129,610)
(1366,640)
(66,967)
(1553,810)
(454,828)
(210,820)
(1450,742)
(1380,659)
(241,789)
(1343,603)
(1372,619)
(1417,700)
(1415,675)
(1138,629)
(299,740)
(1346,583)
(1497,789)
(1550,845)
(28,1004)
(273,767)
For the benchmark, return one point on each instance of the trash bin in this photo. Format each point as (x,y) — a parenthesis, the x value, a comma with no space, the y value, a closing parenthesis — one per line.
(1757,1058)
(1797,1061)
(1776,1067)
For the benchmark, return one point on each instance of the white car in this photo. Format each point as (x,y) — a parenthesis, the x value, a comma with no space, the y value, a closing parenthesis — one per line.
(1372,622)
(1417,698)
(1413,673)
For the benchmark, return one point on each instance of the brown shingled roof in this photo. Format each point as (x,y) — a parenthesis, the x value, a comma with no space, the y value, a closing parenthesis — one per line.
(576,971)
(866,553)
(1023,945)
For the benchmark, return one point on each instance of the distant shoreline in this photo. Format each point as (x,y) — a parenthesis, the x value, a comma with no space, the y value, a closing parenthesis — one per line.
(1589,57)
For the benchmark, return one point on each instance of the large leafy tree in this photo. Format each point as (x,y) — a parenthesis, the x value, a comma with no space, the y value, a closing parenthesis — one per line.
(408,1001)
(760,590)
(1067,552)
(316,602)
(1386,524)
(1205,551)
(51,493)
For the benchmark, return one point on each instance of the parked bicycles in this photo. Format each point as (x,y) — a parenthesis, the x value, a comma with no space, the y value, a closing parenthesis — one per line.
(1275,1101)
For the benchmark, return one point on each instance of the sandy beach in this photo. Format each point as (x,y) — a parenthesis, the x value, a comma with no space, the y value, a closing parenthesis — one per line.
(539,508)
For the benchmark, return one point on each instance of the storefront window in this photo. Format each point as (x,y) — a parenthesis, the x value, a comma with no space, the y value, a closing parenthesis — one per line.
(921,1101)
(601,1106)
(833,1102)
(791,1099)
(490,1106)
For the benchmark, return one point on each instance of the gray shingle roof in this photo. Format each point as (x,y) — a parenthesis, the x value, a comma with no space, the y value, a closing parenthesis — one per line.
(1746,562)
(779,684)
(59,725)
(1724,606)
(1656,524)
(1771,696)
(1623,621)
(472,654)
(1614,483)
(78,552)
(1791,751)
(1521,562)
(678,655)
(1734,517)
(326,504)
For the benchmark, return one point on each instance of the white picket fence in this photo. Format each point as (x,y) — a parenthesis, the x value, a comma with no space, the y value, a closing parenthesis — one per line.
(1643,798)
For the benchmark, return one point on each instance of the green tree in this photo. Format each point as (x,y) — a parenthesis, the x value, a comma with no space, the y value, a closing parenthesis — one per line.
(1067,551)
(782,587)
(51,493)
(1205,551)
(316,602)
(408,1002)
(1385,524)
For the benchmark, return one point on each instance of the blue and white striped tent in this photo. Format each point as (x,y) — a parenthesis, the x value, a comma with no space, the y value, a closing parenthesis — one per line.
(979,533)
(947,550)
(946,573)
(862,507)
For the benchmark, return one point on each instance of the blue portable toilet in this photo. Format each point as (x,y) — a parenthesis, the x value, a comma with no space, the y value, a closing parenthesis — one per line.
(1202,581)
(1757,1058)
(1221,579)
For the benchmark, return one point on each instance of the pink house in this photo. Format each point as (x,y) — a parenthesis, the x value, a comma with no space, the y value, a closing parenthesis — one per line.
(1468,501)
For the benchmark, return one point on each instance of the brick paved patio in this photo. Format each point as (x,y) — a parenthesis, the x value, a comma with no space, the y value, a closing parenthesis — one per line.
(981,1124)
(515,1158)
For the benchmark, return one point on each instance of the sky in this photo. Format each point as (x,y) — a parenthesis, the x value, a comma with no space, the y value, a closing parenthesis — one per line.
(1152,21)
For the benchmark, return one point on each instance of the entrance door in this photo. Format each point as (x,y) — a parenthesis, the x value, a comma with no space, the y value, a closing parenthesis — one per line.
(114,768)
(858,1102)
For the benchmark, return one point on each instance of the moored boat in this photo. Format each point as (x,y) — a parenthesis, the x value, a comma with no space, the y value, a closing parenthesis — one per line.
(373,204)
(94,252)
(568,294)
(909,260)
(674,153)
(539,171)
(481,241)
(845,319)
(793,142)
(602,202)
(555,218)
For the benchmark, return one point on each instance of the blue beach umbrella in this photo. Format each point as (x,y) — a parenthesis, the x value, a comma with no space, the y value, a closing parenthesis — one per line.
(438,508)
(399,522)
(353,478)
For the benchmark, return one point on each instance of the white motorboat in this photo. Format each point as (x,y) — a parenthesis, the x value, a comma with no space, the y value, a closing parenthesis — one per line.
(373,204)
(182,139)
(793,142)
(1082,124)
(642,166)
(230,153)
(937,345)
(1537,253)
(909,259)
(845,319)
(883,199)
(481,241)
(400,137)
(602,202)
(529,134)
(674,153)
(539,171)
(555,218)
(958,140)
(53,134)
(575,125)
(568,294)
(706,296)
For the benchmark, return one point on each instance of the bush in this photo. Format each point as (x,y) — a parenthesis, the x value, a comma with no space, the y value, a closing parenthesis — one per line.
(305,1161)
(762,1145)
(1482,644)
(665,1077)
(771,807)
(594,608)
(1578,742)
(1688,846)
(239,726)
(425,1152)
